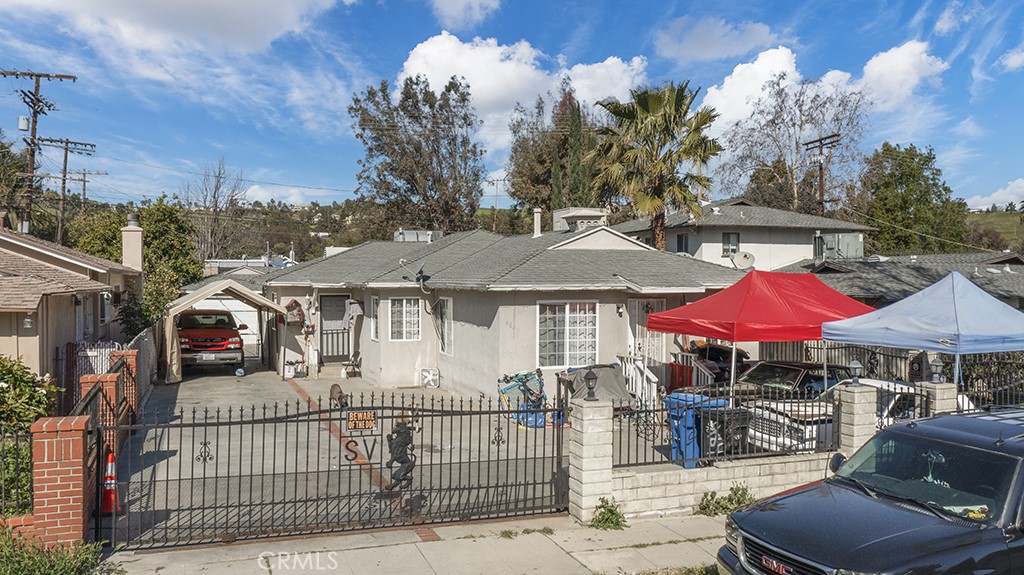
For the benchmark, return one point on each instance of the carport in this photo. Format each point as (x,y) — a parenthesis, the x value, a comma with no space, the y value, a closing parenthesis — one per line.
(172,352)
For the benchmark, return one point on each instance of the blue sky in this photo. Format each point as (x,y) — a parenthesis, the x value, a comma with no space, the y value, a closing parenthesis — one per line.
(166,88)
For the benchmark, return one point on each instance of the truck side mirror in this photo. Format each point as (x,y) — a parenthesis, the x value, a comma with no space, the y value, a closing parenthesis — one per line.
(242,327)
(837,461)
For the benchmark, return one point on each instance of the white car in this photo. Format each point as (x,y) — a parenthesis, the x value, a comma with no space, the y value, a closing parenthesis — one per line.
(806,425)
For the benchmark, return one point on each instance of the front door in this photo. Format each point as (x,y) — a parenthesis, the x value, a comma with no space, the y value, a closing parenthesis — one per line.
(334,333)
(643,342)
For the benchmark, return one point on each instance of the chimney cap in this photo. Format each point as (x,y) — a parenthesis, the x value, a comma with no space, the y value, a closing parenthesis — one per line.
(133,219)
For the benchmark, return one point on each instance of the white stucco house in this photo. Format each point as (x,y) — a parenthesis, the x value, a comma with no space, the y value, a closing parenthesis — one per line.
(775,238)
(472,306)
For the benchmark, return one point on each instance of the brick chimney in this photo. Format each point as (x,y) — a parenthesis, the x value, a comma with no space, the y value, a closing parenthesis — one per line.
(131,243)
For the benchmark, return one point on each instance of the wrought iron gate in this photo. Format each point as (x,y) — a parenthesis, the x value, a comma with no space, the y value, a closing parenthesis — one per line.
(219,475)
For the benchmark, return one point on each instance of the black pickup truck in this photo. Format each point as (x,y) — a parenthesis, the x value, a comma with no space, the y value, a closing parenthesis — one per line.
(932,496)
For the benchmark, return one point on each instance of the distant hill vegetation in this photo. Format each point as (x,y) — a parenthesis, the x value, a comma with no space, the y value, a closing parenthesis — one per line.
(1007,224)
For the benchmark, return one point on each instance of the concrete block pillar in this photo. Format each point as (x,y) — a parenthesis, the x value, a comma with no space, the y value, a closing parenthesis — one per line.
(858,416)
(590,457)
(941,397)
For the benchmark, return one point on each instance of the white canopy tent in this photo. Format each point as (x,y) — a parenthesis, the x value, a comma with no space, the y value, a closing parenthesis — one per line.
(953,316)
(172,354)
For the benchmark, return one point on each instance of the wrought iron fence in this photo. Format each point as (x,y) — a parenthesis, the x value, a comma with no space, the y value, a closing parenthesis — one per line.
(357,462)
(15,473)
(693,429)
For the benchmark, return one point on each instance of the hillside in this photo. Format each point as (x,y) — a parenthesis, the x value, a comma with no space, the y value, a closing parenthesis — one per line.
(1008,224)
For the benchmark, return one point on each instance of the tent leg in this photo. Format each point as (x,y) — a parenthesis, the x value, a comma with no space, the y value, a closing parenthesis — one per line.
(956,371)
(732,371)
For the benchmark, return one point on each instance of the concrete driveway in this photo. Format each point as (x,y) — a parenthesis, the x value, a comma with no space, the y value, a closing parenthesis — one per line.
(218,457)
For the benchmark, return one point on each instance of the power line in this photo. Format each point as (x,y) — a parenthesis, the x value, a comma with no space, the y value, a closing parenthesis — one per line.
(39,106)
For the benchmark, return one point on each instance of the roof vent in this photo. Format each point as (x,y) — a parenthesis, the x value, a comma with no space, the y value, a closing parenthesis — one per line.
(716,210)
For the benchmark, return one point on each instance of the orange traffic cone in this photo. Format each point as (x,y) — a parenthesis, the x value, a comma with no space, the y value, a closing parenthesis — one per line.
(111,503)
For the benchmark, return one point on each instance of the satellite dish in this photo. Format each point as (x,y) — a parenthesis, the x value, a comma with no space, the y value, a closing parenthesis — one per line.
(742,260)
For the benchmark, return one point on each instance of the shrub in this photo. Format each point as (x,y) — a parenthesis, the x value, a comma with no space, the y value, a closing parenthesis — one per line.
(23,397)
(608,516)
(711,504)
(15,476)
(21,556)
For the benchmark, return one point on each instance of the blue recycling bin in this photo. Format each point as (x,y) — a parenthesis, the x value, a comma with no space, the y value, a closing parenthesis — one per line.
(682,422)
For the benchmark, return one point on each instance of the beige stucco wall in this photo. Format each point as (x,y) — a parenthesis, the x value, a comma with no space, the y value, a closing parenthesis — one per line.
(17,341)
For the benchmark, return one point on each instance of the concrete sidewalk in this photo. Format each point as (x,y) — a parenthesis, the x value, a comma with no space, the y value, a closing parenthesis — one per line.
(553,544)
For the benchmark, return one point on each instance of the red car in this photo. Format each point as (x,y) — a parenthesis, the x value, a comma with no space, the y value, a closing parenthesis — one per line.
(210,337)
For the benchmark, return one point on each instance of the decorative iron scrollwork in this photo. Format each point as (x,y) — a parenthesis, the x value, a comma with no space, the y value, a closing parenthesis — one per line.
(205,453)
(499,436)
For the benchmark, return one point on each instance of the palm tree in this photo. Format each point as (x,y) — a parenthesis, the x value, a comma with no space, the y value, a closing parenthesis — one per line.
(643,153)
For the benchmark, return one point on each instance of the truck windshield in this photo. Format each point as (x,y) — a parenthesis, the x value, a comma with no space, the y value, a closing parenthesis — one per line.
(961,481)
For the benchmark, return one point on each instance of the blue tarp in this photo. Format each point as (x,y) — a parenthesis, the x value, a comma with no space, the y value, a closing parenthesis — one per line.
(951,316)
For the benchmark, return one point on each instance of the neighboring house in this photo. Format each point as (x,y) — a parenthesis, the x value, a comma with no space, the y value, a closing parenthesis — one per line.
(776,238)
(476,305)
(51,295)
(881,280)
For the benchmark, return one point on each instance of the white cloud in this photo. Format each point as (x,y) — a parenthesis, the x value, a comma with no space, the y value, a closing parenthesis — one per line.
(501,75)
(1012,192)
(463,14)
(229,25)
(1013,60)
(952,17)
(891,77)
(264,194)
(686,40)
(215,53)
(733,99)
(968,128)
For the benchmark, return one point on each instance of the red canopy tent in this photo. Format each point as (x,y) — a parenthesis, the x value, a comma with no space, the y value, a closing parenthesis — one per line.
(763,306)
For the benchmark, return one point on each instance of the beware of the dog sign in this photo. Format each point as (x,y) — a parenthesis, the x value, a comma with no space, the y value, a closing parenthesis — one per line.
(361,421)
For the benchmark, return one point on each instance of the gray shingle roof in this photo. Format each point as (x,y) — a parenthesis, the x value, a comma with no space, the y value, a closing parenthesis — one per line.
(900,276)
(480,260)
(734,214)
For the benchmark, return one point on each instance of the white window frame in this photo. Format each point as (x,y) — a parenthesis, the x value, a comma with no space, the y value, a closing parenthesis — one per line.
(727,248)
(567,304)
(683,243)
(418,318)
(106,309)
(445,338)
(374,315)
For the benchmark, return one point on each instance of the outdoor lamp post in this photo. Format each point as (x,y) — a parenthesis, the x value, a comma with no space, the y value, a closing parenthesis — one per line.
(855,367)
(936,365)
(591,378)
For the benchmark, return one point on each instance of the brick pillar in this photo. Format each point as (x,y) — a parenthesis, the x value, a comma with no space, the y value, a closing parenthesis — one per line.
(131,381)
(941,397)
(590,457)
(858,416)
(109,415)
(61,504)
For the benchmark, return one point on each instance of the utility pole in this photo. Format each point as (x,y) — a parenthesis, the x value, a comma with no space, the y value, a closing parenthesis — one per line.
(83,148)
(39,107)
(84,181)
(830,141)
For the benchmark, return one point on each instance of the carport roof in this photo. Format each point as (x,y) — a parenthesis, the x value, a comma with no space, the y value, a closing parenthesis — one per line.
(230,287)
